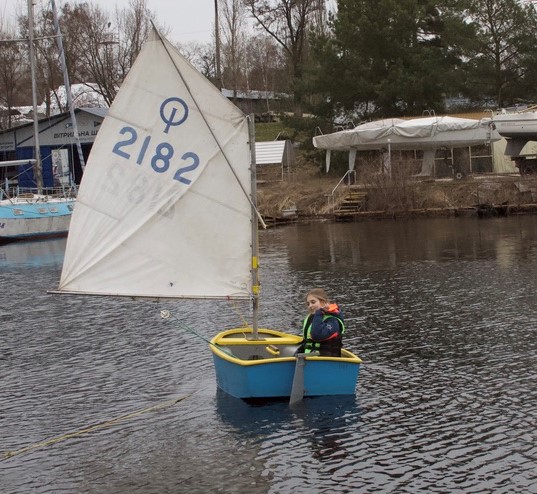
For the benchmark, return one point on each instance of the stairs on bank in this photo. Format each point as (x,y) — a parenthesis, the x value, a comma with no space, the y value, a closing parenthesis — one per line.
(355,201)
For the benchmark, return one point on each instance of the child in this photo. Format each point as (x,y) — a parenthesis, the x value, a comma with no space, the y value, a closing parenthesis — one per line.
(323,327)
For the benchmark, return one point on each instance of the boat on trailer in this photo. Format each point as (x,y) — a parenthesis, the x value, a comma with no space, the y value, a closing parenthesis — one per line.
(167,210)
(518,127)
(519,124)
(433,132)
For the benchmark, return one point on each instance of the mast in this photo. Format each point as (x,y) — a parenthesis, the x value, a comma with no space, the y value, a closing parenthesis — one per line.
(59,42)
(217,46)
(38,171)
(254,219)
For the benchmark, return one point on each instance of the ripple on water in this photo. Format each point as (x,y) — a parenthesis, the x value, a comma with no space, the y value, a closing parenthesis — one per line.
(441,312)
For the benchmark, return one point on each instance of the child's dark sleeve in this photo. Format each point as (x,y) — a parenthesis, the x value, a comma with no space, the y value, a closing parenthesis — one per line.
(322,330)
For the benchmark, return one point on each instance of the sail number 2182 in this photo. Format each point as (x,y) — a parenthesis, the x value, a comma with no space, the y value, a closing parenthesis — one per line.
(160,159)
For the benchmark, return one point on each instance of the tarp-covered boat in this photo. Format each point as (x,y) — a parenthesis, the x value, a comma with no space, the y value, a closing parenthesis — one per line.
(417,133)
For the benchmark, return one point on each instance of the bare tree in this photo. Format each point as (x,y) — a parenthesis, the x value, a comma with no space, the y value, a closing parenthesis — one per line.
(12,73)
(73,24)
(233,29)
(288,21)
(48,63)
(89,48)
(101,52)
(201,55)
(46,68)
(133,27)
(264,65)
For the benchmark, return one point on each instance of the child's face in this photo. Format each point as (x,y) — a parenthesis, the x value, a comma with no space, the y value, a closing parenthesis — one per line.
(314,303)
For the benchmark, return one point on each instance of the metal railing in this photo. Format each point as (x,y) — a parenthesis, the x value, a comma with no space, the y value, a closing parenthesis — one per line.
(48,192)
(350,175)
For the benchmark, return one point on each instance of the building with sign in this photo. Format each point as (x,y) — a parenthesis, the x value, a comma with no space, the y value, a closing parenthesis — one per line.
(59,155)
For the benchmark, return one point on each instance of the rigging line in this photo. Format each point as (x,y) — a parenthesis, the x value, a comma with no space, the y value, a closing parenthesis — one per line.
(235,308)
(166,314)
(250,200)
(86,430)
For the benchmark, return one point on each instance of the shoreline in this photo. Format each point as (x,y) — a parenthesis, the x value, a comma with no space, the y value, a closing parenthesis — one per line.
(478,211)
(307,199)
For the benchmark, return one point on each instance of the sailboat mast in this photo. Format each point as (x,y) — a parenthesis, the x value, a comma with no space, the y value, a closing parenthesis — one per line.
(66,83)
(217,46)
(38,171)
(255,242)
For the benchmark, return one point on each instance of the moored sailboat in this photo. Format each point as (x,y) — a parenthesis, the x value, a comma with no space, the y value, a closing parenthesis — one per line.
(167,209)
(34,214)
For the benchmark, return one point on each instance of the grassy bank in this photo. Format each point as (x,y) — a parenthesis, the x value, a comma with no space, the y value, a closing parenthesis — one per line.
(312,194)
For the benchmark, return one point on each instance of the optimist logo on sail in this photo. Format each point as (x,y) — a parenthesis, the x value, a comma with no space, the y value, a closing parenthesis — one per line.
(171,120)
(160,158)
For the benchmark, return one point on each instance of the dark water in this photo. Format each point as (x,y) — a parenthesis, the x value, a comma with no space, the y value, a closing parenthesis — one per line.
(443,313)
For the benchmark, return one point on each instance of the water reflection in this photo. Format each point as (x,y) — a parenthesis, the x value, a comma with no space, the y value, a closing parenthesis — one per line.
(324,429)
(260,417)
(376,245)
(36,253)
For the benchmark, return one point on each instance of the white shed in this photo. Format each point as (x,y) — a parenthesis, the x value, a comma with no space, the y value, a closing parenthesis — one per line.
(280,153)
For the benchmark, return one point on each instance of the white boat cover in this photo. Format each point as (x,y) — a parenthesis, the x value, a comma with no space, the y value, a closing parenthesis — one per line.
(418,133)
(164,205)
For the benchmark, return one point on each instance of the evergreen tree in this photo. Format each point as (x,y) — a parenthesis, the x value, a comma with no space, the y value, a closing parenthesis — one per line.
(502,62)
(390,57)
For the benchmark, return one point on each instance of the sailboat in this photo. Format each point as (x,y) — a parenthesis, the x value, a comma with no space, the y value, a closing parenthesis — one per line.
(518,124)
(34,214)
(166,210)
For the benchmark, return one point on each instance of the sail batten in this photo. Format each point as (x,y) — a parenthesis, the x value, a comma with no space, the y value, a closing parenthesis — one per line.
(164,204)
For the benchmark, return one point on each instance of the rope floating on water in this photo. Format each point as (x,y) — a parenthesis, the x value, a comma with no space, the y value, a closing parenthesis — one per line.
(87,430)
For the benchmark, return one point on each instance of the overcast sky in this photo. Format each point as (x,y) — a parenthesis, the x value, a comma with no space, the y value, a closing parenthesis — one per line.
(188,20)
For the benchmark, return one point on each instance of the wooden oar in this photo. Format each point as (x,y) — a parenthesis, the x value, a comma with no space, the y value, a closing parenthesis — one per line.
(297,391)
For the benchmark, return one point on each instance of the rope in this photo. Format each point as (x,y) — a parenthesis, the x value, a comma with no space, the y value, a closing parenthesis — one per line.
(235,307)
(166,314)
(101,425)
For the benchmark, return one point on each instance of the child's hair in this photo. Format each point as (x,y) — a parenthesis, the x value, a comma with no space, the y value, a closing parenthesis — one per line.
(318,293)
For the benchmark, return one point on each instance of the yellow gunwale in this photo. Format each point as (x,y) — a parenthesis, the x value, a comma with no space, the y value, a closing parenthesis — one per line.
(275,338)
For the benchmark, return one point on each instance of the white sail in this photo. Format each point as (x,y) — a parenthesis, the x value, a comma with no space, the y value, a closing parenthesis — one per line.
(163,208)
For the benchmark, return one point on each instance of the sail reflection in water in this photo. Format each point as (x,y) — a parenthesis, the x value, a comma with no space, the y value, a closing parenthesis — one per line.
(442,312)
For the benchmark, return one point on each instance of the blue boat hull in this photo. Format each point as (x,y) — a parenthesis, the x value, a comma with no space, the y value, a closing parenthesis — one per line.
(253,369)
(34,219)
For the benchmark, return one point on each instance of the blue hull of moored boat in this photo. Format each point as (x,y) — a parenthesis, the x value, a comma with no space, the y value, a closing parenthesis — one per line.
(34,219)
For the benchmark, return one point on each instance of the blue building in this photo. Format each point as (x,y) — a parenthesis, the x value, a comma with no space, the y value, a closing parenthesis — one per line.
(57,147)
